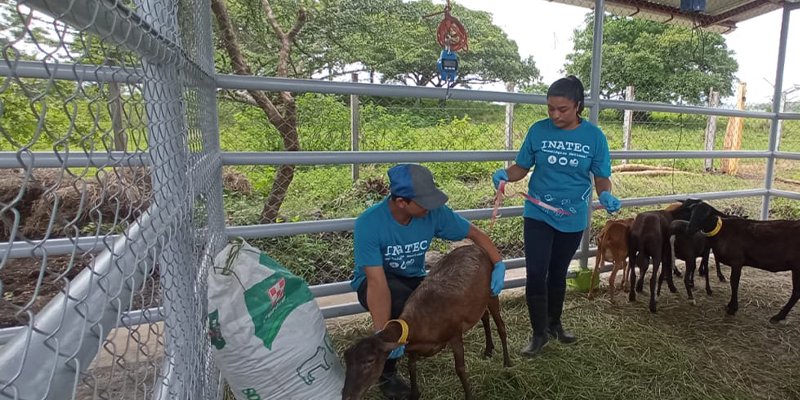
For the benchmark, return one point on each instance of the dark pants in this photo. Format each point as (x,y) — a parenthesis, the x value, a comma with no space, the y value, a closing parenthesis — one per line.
(400,288)
(548,253)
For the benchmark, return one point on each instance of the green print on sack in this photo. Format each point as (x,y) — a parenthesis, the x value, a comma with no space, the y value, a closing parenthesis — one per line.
(270,301)
(251,394)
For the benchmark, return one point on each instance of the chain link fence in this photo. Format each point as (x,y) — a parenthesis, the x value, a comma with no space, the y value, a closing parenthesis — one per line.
(110,199)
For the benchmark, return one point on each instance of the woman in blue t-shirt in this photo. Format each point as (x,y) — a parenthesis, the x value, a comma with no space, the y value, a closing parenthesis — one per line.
(564,151)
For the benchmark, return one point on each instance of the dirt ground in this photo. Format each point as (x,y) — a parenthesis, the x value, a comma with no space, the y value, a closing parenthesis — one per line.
(23,291)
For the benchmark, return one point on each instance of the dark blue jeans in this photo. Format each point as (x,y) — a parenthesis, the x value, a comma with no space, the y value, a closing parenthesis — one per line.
(548,253)
(400,288)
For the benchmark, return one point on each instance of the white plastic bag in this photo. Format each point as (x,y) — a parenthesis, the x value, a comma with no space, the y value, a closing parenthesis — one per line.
(268,335)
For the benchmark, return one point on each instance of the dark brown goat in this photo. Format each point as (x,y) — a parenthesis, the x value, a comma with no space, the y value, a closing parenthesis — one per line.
(448,302)
(768,245)
(649,240)
(688,247)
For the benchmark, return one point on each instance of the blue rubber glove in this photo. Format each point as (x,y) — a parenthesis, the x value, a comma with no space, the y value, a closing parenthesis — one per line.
(498,277)
(610,202)
(398,352)
(499,175)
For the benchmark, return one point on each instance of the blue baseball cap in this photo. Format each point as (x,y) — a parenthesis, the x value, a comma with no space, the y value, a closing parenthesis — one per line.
(415,182)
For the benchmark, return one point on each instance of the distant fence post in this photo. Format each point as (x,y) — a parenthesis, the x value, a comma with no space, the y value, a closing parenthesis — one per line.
(711,128)
(509,122)
(733,133)
(355,117)
(627,122)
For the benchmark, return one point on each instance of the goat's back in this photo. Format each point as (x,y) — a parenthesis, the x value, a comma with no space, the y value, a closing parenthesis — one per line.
(454,295)
(649,230)
(613,239)
(769,245)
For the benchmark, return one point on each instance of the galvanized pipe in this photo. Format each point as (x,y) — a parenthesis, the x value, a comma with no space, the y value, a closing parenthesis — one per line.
(44,362)
(136,159)
(776,106)
(594,117)
(88,73)
(55,247)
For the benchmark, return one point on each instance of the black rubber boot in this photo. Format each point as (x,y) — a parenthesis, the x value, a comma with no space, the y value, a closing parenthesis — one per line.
(393,387)
(555,303)
(557,331)
(537,311)
(535,346)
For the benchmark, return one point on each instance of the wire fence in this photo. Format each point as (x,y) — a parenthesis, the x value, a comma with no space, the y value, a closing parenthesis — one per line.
(114,198)
(106,288)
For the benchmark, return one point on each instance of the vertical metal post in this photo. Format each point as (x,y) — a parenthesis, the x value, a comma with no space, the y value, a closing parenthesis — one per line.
(711,128)
(509,122)
(594,116)
(212,385)
(355,124)
(167,136)
(776,105)
(627,122)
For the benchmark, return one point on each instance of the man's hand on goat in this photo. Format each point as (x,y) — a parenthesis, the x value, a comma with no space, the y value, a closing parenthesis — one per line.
(499,175)
(610,202)
(498,277)
(397,352)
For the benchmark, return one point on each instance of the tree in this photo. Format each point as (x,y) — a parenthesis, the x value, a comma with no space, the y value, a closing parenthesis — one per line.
(280,109)
(664,62)
(390,38)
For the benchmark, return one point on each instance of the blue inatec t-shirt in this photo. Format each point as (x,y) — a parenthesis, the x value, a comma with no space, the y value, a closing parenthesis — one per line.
(382,241)
(561,161)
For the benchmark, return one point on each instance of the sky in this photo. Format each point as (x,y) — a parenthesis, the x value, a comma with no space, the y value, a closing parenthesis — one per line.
(544,29)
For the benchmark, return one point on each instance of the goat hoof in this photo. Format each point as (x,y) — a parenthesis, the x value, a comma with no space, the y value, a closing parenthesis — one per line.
(731,310)
(488,353)
(709,292)
(722,279)
(653,308)
(775,319)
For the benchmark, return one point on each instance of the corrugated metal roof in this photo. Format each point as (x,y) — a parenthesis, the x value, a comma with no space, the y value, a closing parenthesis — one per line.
(720,15)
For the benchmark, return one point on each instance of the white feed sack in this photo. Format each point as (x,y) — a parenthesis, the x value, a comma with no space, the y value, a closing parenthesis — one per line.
(268,335)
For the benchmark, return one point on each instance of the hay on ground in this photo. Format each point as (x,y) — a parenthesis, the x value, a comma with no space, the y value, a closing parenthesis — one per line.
(112,198)
(625,352)
(236,182)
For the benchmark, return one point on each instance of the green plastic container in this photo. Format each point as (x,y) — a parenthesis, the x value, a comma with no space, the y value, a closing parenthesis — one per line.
(580,280)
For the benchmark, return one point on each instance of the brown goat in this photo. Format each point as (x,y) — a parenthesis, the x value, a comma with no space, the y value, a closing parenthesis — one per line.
(768,245)
(649,239)
(612,244)
(448,302)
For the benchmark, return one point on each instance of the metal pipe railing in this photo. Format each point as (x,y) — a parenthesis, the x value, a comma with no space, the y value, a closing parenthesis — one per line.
(137,159)
(89,73)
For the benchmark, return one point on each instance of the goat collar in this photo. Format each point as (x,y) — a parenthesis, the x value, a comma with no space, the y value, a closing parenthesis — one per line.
(404,326)
(716,229)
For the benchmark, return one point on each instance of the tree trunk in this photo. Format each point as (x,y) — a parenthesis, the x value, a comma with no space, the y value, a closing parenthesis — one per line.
(283,118)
